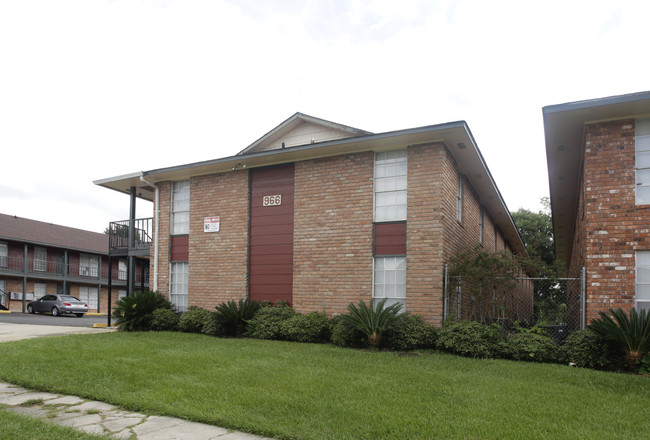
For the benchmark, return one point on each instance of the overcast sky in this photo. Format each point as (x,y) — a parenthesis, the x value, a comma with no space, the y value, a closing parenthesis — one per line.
(95,89)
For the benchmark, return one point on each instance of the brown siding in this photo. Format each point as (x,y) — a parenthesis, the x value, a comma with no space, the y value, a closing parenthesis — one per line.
(180,248)
(390,238)
(271,235)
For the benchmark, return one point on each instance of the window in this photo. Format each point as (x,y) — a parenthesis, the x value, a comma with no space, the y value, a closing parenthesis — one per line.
(3,292)
(181,208)
(121,294)
(40,259)
(40,289)
(179,286)
(642,149)
(459,199)
(390,186)
(642,280)
(4,254)
(89,296)
(390,280)
(121,270)
(88,265)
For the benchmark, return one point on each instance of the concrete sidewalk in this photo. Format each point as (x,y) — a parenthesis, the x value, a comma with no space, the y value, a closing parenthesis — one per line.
(16,332)
(100,418)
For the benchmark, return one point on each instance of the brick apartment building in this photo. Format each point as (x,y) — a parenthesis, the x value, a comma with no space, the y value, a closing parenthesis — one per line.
(599,173)
(321,214)
(38,258)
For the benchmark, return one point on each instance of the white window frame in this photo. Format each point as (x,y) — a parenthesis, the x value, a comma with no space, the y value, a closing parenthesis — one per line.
(89,295)
(88,265)
(389,280)
(178,285)
(40,258)
(121,270)
(40,289)
(642,278)
(642,161)
(181,207)
(459,199)
(390,186)
(3,293)
(4,254)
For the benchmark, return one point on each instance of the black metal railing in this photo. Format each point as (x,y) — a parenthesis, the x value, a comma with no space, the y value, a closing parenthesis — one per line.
(118,234)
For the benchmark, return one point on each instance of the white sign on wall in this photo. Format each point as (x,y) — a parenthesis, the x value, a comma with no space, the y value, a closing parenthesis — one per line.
(211,224)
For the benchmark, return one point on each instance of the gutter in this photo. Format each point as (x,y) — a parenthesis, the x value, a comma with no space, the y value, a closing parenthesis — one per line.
(156,235)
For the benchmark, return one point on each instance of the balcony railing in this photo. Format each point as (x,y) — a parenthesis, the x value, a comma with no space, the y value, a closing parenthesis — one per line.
(118,234)
(56,270)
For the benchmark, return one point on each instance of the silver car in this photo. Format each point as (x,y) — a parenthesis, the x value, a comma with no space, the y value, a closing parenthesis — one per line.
(58,304)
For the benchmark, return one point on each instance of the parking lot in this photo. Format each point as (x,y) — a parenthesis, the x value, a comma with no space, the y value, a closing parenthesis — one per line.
(46,319)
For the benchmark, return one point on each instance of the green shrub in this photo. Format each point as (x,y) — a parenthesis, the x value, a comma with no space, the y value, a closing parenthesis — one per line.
(268,321)
(134,312)
(233,316)
(629,334)
(163,320)
(212,327)
(312,327)
(193,320)
(585,348)
(345,334)
(373,321)
(472,339)
(532,347)
(411,332)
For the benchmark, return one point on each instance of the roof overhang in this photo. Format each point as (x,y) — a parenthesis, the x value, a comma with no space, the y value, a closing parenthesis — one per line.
(455,135)
(564,127)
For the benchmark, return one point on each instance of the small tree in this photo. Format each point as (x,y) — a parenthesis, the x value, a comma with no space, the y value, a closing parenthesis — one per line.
(629,334)
(483,275)
(373,321)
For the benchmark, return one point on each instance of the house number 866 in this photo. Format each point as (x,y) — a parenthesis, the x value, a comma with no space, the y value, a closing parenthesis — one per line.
(272,200)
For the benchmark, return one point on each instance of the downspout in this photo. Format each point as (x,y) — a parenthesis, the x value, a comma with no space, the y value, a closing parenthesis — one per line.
(156,229)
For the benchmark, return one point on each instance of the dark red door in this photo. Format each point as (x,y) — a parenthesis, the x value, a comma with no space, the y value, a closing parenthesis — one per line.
(271,234)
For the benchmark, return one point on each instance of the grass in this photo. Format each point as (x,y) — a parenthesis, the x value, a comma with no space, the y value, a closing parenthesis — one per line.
(309,391)
(21,427)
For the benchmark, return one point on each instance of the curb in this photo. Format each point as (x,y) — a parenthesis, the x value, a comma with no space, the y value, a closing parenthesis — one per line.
(5,311)
(103,326)
(95,314)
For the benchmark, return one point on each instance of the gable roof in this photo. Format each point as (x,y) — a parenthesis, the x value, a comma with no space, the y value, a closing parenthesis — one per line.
(564,134)
(455,135)
(47,234)
(301,129)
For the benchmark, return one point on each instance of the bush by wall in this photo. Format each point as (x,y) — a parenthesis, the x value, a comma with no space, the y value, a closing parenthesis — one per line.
(212,326)
(345,334)
(411,332)
(233,316)
(586,349)
(311,327)
(163,320)
(532,347)
(267,323)
(471,339)
(134,312)
(193,320)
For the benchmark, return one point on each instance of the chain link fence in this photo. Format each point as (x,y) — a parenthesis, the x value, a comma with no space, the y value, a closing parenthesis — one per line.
(556,304)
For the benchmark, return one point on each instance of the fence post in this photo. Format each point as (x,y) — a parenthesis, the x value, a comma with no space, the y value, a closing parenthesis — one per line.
(445,306)
(583,298)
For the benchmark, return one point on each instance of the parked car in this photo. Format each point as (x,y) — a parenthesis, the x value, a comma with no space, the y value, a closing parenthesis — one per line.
(58,304)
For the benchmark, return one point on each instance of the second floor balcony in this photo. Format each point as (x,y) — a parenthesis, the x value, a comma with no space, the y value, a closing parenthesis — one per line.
(121,237)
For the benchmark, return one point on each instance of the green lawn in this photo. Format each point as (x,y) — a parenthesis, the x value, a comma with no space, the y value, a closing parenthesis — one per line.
(305,391)
(20,427)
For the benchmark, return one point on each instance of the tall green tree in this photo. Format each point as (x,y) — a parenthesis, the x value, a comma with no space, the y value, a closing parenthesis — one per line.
(536,231)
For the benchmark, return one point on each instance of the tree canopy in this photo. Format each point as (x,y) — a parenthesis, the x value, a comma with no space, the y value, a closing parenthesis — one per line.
(536,231)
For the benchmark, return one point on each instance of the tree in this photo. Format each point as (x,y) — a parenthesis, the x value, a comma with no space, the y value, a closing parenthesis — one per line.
(536,231)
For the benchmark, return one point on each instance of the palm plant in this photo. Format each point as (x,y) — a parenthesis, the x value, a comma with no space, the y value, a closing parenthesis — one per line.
(233,315)
(373,321)
(135,312)
(630,334)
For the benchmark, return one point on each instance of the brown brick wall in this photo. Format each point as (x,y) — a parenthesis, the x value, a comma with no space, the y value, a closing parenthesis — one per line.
(333,232)
(218,261)
(164,239)
(613,227)
(425,231)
